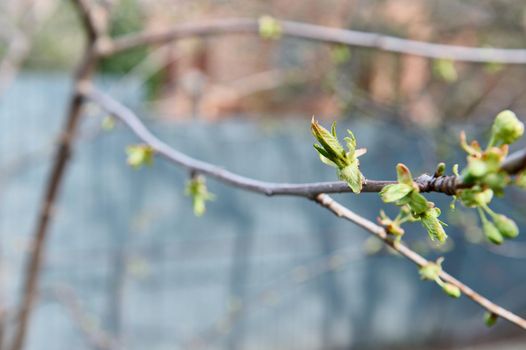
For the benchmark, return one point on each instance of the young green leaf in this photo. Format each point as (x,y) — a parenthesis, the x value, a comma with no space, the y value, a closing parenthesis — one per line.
(332,153)
(395,192)
(352,175)
(196,188)
(433,225)
(330,144)
(418,203)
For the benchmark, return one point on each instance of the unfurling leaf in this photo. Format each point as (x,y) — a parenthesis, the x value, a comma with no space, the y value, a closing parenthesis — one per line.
(395,192)
(418,203)
(332,153)
(352,175)
(196,188)
(433,225)
(139,155)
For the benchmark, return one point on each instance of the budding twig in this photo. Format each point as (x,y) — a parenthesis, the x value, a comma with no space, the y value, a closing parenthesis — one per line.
(305,190)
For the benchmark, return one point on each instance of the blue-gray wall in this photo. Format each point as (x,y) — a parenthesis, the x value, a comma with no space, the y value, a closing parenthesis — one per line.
(126,245)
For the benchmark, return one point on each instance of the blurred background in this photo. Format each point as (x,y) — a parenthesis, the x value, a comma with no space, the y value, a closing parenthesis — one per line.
(128,265)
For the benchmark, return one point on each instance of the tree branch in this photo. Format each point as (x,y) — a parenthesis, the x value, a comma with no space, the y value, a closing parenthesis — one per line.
(321,34)
(426,183)
(306,190)
(378,231)
(60,161)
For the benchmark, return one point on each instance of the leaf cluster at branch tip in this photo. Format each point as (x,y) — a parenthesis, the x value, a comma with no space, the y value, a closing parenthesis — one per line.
(487,178)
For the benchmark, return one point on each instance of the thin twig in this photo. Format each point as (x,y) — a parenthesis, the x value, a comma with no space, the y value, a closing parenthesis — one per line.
(378,231)
(96,337)
(34,262)
(321,34)
(427,183)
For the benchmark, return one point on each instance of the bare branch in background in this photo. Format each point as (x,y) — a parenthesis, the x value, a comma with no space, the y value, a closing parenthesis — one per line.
(96,337)
(323,34)
(64,148)
(19,38)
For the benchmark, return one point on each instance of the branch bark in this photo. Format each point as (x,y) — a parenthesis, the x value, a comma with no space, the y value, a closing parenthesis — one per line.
(321,34)
(427,183)
(61,158)
(339,210)
(309,191)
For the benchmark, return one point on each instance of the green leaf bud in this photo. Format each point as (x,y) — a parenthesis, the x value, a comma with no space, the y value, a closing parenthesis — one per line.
(451,290)
(506,226)
(404,174)
(490,319)
(492,232)
(431,271)
(441,169)
(507,128)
